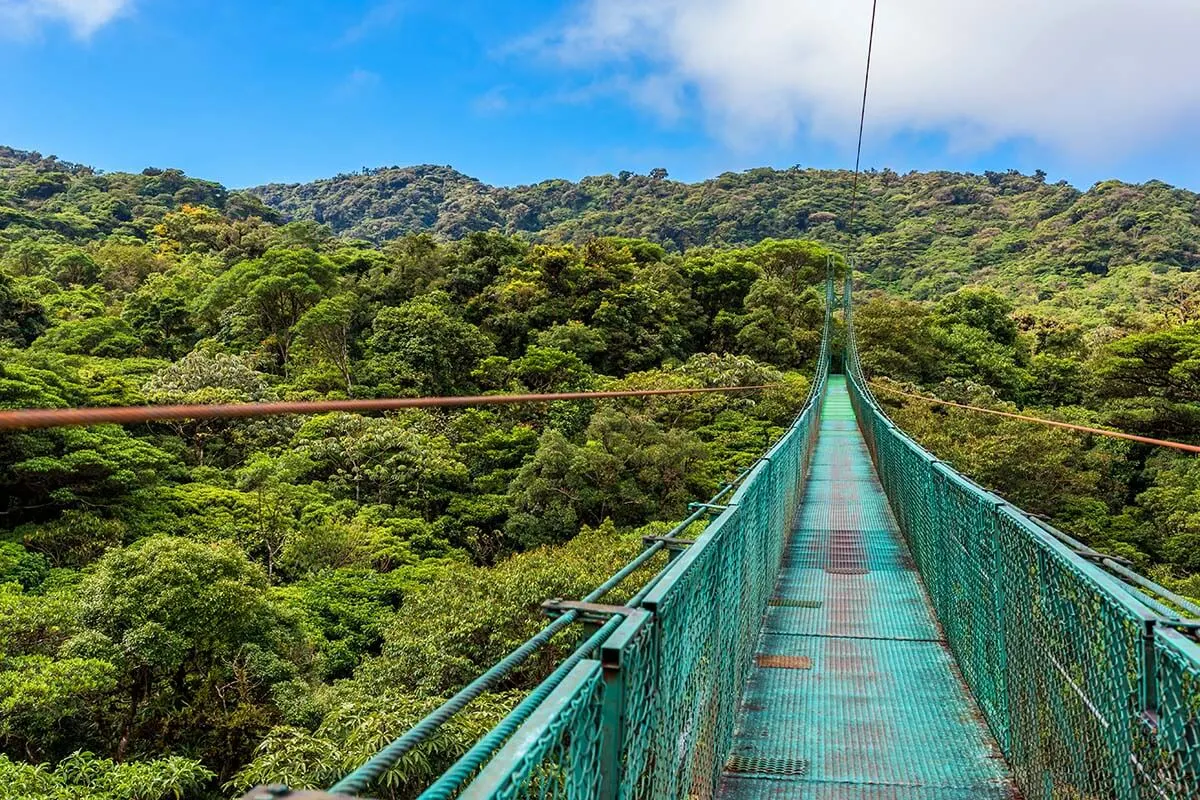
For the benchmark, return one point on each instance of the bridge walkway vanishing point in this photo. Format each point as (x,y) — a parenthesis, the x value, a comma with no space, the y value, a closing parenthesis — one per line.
(854,692)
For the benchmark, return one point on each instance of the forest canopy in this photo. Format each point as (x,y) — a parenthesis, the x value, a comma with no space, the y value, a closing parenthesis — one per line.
(192,607)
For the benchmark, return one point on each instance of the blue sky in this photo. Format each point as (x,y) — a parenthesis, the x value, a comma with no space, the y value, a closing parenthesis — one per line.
(248,93)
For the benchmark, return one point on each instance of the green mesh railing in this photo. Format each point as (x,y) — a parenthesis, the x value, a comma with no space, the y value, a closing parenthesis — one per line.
(645,707)
(652,715)
(1089,684)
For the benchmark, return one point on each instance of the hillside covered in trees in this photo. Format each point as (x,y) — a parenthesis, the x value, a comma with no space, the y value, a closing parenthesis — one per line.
(189,608)
(922,233)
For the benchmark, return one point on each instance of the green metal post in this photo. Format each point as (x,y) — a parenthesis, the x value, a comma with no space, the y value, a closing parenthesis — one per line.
(1149,687)
(612,734)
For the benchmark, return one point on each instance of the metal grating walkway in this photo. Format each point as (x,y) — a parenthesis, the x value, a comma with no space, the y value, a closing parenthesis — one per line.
(854,694)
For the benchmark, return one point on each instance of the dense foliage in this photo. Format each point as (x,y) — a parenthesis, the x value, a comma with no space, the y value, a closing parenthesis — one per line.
(976,347)
(186,608)
(924,234)
(189,608)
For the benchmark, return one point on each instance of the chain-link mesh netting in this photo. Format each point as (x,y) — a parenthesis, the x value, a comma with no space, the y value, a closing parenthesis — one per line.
(1172,756)
(561,761)
(671,677)
(1088,692)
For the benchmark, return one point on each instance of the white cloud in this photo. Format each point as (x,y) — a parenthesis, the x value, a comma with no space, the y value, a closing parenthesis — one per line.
(83,17)
(379,16)
(358,83)
(1087,76)
(493,101)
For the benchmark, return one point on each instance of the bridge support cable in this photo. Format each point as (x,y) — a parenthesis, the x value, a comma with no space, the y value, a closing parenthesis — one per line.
(30,418)
(366,775)
(1053,423)
(862,124)
(1085,671)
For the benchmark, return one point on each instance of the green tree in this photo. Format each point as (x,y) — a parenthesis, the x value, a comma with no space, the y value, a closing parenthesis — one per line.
(74,539)
(544,369)
(28,257)
(18,565)
(125,263)
(109,337)
(193,633)
(424,345)
(85,776)
(896,339)
(1162,364)
(798,263)
(1172,503)
(22,317)
(781,327)
(324,334)
(75,267)
(630,469)
(642,325)
(390,461)
(207,376)
(159,311)
(42,472)
(265,297)
(983,309)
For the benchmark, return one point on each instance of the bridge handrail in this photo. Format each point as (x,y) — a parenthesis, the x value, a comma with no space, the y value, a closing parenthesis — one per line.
(1089,684)
(583,732)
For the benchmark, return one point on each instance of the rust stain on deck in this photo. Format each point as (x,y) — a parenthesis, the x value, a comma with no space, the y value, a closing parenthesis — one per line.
(783,662)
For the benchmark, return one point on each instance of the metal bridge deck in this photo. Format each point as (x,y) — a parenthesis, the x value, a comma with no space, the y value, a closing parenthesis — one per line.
(854,693)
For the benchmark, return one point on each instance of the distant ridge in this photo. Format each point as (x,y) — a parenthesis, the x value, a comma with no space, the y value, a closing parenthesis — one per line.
(923,233)
(934,228)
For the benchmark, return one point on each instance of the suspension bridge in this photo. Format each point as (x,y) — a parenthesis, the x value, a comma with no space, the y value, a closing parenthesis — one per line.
(857,620)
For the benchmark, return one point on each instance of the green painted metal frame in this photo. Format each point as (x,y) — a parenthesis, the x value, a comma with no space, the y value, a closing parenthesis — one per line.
(1090,691)
(573,708)
(671,674)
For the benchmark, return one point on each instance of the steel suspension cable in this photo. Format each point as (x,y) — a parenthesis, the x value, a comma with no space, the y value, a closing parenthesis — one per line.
(1187,448)
(862,123)
(27,418)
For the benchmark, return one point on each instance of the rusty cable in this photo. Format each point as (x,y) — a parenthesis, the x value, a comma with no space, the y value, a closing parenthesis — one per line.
(26,418)
(1188,448)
